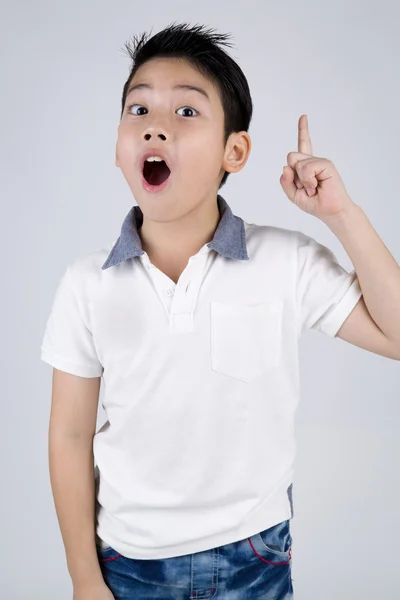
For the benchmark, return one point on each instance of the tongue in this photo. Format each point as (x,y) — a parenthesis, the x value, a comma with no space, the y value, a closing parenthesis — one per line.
(156,173)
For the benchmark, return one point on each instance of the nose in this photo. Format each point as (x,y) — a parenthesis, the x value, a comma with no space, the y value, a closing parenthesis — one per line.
(156,131)
(158,127)
(148,135)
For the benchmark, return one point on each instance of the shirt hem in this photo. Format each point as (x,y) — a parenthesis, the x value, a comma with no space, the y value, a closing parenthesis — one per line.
(270,513)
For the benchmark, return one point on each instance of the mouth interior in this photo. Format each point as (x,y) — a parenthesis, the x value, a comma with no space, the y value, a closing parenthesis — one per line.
(156,173)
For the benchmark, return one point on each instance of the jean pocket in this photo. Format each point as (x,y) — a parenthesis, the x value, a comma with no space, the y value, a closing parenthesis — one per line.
(246,339)
(273,545)
(107,553)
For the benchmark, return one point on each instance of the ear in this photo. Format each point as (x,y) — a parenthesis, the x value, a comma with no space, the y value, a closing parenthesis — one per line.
(116,156)
(237,151)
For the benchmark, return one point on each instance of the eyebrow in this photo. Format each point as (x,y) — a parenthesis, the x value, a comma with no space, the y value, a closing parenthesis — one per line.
(179,86)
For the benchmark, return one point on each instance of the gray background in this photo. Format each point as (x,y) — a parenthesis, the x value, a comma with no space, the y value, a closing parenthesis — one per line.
(62,72)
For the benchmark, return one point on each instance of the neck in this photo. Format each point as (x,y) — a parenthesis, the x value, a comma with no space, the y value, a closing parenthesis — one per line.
(182,237)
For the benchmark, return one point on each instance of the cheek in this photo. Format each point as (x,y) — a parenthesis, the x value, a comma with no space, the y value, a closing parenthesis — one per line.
(125,142)
(127,152)
(204,151)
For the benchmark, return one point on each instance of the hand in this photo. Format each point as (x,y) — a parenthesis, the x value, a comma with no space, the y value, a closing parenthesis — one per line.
(95,591)
(312,183)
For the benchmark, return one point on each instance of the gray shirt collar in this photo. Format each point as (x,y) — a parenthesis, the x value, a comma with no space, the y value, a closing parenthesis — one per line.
(229,238)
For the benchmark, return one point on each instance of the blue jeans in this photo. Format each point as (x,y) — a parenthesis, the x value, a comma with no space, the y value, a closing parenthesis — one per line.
(256,567)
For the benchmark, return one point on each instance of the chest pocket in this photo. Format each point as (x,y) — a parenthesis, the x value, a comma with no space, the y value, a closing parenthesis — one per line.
(246,339)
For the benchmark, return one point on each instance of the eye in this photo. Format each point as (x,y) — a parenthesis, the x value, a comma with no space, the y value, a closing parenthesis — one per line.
(134,105)
(187,108)
(140,106)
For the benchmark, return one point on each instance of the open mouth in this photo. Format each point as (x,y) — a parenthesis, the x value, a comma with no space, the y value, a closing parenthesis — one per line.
(155,173)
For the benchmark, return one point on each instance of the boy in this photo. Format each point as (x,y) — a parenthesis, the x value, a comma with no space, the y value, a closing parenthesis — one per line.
(192,318)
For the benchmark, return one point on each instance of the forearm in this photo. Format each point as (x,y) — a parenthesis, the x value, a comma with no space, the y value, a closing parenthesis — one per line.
(377,271)
(72,480)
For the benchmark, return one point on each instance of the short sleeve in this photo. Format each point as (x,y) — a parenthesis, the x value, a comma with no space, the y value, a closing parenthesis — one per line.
(325,293)
(68,341)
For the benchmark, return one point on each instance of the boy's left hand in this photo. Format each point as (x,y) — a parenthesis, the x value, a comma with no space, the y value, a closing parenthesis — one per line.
(328,196)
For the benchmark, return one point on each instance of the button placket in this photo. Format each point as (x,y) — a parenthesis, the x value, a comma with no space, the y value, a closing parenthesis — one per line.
(185,297)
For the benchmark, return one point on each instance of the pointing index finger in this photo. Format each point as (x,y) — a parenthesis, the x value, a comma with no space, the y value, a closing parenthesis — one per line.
(304,141)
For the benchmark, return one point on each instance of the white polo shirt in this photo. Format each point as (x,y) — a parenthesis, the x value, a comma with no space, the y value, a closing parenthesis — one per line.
(201,378)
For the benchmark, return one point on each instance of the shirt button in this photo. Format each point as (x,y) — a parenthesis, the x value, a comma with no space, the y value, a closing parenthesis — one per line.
(169,292)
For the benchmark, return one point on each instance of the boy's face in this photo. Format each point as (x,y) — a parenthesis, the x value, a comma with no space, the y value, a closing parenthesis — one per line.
(182,125)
